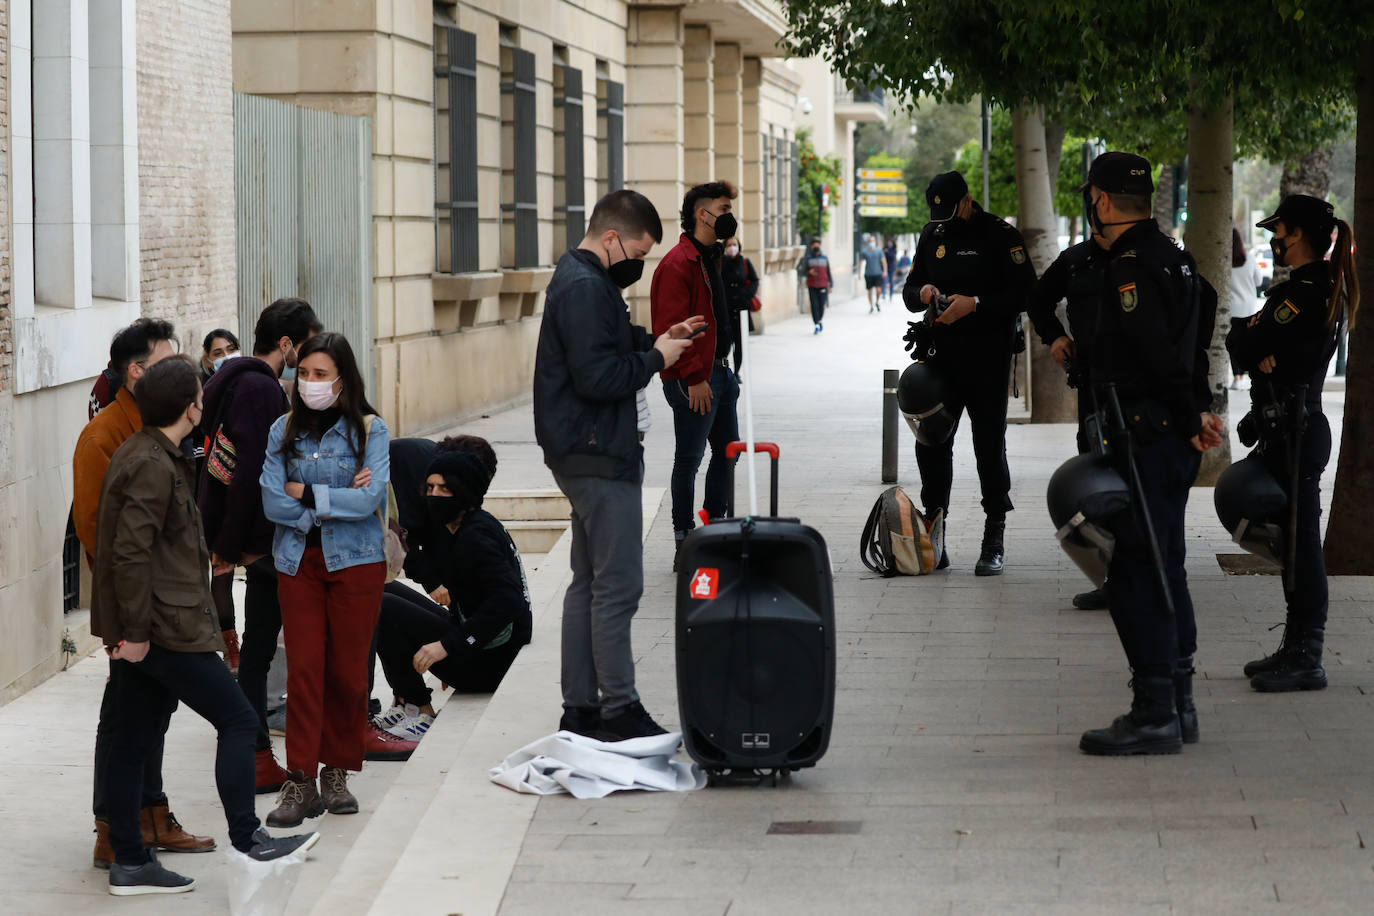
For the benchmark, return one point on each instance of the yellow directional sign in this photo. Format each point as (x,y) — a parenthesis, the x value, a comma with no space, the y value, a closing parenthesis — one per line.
(898,212)
(882,187)
(880,174)
(894,200)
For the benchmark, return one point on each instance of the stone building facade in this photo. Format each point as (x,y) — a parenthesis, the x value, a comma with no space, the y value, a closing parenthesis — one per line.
(118,201)
(496,126)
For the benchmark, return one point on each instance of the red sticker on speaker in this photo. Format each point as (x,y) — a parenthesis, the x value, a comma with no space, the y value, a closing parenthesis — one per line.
(704,583)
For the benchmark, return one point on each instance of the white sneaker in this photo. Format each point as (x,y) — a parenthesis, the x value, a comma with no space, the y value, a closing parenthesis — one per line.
(413,728)
(397,714)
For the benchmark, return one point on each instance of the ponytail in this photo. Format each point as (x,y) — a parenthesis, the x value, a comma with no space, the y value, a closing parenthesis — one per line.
(1345,284)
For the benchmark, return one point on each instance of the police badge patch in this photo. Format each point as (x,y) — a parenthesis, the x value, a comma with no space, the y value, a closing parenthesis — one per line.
(1018,255)
(1128,297)
(940,252)
(1286,312)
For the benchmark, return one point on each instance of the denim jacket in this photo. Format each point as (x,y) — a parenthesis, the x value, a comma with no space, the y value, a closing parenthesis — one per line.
(351,532)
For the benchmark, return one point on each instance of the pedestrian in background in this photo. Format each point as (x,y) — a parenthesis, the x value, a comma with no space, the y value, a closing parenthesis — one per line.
(324,485)
(1245,300)
(890,263)
(741,286)
(151,606)
(701,388)
(219,346)
(814,270)
(589,366)
(874,264)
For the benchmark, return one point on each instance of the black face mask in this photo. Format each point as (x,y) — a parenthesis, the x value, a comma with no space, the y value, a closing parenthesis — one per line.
(725,226)
(1280,248)
(1098,225)
(442,509)
(626,272)
(816,250)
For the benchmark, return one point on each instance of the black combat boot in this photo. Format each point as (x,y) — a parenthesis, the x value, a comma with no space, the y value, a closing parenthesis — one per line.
(1183,700)
(990,560)
(1300,667)
(1095,600)
(1151,727)
(1271,662)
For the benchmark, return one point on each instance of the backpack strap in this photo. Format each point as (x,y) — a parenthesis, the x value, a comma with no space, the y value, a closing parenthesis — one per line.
(870,550)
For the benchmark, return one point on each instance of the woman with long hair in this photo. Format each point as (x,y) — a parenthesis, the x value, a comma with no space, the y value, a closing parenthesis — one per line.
(324,485)
(1286,348)
(1245,300)
(741,286)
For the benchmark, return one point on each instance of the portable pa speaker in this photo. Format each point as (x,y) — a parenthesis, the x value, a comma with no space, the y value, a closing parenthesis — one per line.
(755,645)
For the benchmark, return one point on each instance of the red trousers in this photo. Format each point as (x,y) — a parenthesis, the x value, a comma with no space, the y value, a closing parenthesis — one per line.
(328,618)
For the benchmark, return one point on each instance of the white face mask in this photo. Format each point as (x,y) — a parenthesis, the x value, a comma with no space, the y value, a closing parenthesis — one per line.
(219,363)
(318,395)
(731,250)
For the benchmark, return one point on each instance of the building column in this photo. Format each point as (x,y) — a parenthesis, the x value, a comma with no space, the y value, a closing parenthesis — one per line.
(752,152)
(699,103)
(728,72)
(654,112)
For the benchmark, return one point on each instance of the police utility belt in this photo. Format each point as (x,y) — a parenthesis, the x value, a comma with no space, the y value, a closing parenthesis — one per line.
(1146,419)
(1273,420)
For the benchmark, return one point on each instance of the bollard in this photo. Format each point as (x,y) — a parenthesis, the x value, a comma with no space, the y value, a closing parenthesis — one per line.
(890,425)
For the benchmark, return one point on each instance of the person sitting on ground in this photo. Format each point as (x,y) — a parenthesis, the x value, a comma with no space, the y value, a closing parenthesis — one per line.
(475,621)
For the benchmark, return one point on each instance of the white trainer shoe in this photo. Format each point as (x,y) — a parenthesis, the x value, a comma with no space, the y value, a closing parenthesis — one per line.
(413,728)
(396,715)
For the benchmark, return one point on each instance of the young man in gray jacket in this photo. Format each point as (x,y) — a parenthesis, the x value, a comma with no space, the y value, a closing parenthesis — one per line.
(590,363)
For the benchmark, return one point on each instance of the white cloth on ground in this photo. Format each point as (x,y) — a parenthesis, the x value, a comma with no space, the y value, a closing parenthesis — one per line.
(587,768)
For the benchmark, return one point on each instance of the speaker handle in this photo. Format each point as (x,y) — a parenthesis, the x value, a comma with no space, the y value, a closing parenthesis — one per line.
(732,451)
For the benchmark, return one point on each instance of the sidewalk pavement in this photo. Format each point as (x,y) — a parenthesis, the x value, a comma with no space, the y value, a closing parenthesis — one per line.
(953,783)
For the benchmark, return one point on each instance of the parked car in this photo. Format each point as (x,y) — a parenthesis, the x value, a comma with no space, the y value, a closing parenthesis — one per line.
(1264,261)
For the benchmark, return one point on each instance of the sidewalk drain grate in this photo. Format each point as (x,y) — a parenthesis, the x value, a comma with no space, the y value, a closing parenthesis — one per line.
(813,827)
(1246,564)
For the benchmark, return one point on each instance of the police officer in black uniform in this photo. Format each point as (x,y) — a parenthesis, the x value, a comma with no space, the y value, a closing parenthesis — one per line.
(979,262)
(1288,345)
(1076,275)
(1149,355)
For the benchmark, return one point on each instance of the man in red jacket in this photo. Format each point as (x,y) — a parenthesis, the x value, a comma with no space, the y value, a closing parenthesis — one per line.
(701,387)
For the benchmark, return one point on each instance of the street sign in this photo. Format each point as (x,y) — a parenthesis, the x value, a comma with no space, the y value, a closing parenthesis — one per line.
(882,187)
(899,212)
(894,200)
(880,174)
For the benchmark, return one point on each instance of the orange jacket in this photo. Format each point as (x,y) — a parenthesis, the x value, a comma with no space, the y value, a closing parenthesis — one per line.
(94,449)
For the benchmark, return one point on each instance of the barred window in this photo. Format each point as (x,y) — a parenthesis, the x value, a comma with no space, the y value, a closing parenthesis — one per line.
(570,196)
(455,150)
(519,185)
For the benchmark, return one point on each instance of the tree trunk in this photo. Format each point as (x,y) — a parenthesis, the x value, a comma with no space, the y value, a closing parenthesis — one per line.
(1349,542)
(1308,174)
(1211,155)
(1054,148)
(1164,199)
(1051,400)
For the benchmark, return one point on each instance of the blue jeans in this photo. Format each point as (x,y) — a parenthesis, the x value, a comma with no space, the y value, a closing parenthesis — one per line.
(719,426)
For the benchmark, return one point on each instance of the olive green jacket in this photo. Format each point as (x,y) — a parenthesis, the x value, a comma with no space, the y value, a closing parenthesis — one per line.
(152,568)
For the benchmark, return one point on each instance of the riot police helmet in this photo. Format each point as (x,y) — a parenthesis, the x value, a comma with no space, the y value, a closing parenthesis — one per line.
(1252,506)
(922,393)
(1088,501)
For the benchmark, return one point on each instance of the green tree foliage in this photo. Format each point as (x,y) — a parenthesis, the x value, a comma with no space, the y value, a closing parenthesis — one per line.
(1002,170)
(813,173)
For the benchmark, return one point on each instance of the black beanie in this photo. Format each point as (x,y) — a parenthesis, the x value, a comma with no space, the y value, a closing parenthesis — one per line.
(464,474)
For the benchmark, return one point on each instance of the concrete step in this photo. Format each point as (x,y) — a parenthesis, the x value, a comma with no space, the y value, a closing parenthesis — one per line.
(527,505)
(536,537)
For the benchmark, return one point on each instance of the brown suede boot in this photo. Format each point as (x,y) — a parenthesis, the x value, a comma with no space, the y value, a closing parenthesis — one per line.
(168,835)
(103,857)
(298,800)
(334,791)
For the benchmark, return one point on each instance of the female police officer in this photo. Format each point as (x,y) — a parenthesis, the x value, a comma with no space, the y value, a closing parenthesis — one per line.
(1287,346)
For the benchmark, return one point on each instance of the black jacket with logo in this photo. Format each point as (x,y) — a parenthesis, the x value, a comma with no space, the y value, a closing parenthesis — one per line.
(590,363)
(981,256)
(1291,328)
